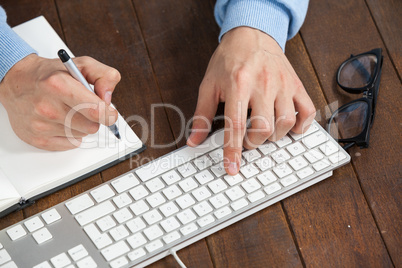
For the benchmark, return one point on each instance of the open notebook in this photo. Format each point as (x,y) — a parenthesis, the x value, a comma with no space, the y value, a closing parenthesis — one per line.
(28,173)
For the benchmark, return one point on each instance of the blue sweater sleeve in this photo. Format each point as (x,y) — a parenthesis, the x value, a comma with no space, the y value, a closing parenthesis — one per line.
(281,19)
(12,47)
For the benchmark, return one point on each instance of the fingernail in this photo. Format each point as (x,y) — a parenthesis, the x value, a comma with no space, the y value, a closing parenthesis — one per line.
(108,97)
(233,168)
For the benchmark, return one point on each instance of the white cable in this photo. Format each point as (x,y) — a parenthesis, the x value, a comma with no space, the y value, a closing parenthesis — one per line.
(177,259)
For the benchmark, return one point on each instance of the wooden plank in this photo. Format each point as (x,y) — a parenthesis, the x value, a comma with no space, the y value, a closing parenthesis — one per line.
(389,22)
(180,43)
(333,31)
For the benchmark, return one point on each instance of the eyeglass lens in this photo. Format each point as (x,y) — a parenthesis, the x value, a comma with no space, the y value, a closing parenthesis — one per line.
(357,72)
(349,121)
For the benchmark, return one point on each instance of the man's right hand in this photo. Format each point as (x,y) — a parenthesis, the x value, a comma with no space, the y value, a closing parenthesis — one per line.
(39,93)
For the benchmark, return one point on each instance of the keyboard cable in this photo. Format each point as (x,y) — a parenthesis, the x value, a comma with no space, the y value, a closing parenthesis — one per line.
(173,252)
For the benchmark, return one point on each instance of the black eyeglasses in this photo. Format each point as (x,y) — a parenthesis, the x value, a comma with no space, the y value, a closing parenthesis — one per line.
(352,121)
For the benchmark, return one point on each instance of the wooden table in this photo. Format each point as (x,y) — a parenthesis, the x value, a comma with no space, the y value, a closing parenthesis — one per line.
(162,49)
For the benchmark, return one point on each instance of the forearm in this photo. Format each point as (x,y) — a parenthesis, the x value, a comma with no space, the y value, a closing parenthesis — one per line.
(281,19)
(12,47)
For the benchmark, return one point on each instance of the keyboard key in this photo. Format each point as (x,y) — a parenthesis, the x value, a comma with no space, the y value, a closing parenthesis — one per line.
(222,212)
(266,178)
(153,232)
(233,180)
(60,260)
(185,201)
(249,171)
(122,200)
(217,155)
(201,193)
(282,170)
(136,254)
(33,224)
(51,216)
(267,148)
(102,193)
(135,225)
(298,163)
(314,139)
(119,232)
(204,177)
(295,148)
(171,177)
(10,265)
(187,170)
(100,240)
(217,186)
(119,262)
(219,201)
(265,163)
(285,140)
(206,220)
(251,185)
(42,235)
(87,262)
(136,240)
(186,216)
(138,192)
(202,208)
(305,172)
(188,184)
(4,256)
(172,192)
(218,170)
(44,264)
(115,250)
(280,156)
(79,204)
(329,148)
(251,155)
(288,180)
(139,207)
(337,157)
(313,156)
(154,185)
(156,200)
(125,183)
(154,245)
(313,127)
(241,203)
(320,165)
(78,252)
(16,232)
(169,209)
(203,162)
(105,223)
(152,217)
(170,224)
(256,196)
(189,229)
(235,193)
(122,215)
(95,213)
(272,188)
(173,236)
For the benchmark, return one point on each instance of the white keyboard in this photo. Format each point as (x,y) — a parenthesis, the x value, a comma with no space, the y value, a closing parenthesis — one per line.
(168,204)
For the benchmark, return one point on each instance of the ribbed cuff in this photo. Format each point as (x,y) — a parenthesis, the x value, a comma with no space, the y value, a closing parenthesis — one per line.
(270,18)
(12,49)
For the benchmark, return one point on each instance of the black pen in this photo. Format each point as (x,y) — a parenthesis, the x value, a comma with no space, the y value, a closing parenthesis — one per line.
(73,70)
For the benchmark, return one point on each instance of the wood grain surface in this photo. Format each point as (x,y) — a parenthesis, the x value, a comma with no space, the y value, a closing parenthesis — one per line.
(162,49)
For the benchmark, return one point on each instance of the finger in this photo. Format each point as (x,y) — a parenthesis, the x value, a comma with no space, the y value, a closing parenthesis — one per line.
(306,113)
(204,113)
(235,127)
(285,117)
(56,143)
(261,119)
(52,129)
(103,77)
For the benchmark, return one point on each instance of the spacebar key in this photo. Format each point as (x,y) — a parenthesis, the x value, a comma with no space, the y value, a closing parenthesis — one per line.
(95,213)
